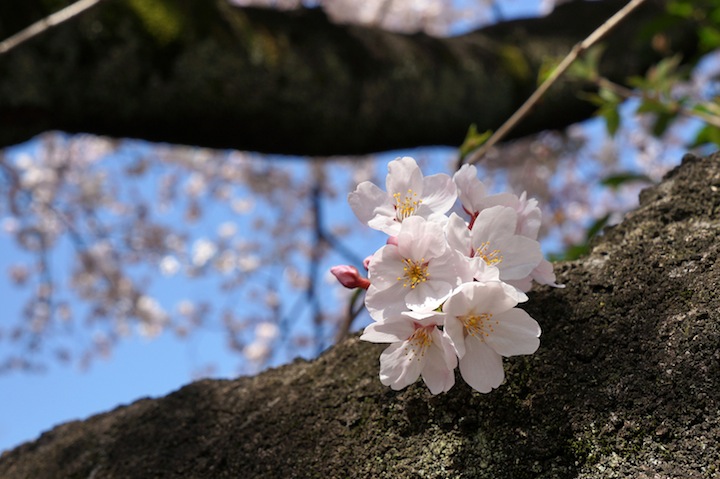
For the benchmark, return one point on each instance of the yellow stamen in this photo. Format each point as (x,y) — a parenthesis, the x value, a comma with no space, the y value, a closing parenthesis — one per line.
(479,325)
(490,257)
(420,340)
(414,273)
(406,205)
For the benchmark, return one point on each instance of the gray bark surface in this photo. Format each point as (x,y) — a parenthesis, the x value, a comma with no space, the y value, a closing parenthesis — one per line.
(626,383)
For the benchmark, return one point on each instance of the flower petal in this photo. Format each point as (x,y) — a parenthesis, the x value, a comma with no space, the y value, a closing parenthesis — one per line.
(436,374)
(385,303)
(475,298)
(458,235)
(389,331)
(481,367)
(515,333)
(493,223)
(439,193)
(470,189)
(369,201)
(520,256)
(428,296)
(399,367)
(385,267)
(454,331)
(404,174)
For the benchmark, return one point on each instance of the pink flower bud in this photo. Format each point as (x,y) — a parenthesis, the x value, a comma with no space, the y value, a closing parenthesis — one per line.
(392,240)
(349,277)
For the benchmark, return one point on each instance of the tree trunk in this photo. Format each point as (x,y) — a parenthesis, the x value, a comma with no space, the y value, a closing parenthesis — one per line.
(205,73)
(626,383)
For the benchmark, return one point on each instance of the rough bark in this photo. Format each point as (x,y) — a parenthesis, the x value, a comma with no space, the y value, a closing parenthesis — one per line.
(626,383)
(203,73)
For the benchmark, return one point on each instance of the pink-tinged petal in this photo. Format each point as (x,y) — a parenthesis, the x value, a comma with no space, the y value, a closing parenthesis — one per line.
(529,217)
(436,374)
(390,331)
(514,293)
(399,366)
(502,199)
(544,274)
(385,267)
(483,272)
(448,350)
(386,303)
(520,256)
(428,296)
(454,332)
(425,318)
(497,222)
(481,367)
(450,268)
(514,333)
(421,239)
(524,284)
(439,193)
(479,298)
(404,175)
(471,190)
(369,201)
(387,224)
(458,234)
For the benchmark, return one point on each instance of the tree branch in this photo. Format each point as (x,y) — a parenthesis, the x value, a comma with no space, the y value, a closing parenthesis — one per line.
(206,73)
(46,23)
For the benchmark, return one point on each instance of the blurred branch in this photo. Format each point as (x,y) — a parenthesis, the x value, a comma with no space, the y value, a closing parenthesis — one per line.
(46,23)
(316,253)
(350,315)
(250,77)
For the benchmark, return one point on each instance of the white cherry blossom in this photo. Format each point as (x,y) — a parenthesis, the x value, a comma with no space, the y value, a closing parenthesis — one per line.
(417,348)
(408,194)
(416,271)
(483,325)
(474,199)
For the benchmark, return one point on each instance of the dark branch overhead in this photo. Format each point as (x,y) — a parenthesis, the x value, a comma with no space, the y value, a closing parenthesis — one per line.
(206,73)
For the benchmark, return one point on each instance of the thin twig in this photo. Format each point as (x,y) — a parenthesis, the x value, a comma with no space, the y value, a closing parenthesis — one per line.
(577,50)
(46,23)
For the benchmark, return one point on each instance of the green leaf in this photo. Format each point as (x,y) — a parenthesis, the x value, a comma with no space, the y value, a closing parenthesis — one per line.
(596,227)
(652,106)
(681,9)
(707,134)
(612,118)
(593,98)
(709,38)
(619,179)
(571,253)
(473,140)
(579,250)
(662,122)
(585,67)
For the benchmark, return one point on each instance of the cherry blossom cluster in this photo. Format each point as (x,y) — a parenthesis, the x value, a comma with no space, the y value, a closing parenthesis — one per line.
(443,291)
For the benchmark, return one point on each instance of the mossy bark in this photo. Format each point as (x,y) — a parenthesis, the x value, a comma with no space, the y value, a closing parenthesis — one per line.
(201,72)
(626,383)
